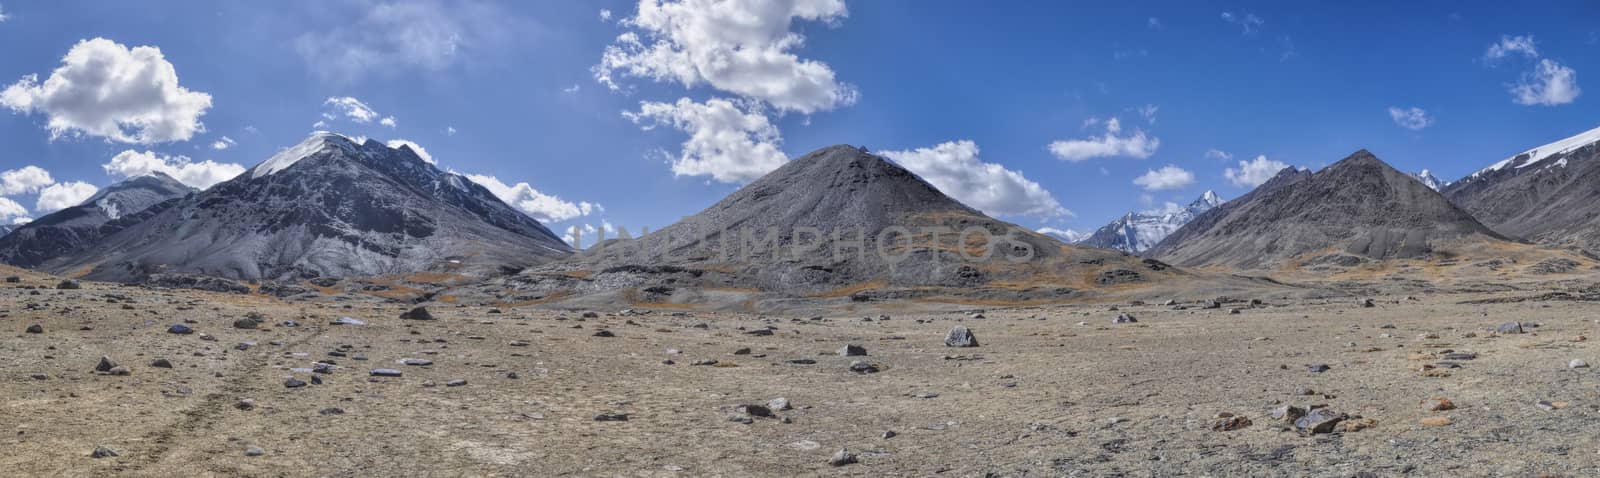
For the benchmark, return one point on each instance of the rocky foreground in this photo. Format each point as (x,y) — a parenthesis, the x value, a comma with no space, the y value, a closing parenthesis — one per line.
(110,380)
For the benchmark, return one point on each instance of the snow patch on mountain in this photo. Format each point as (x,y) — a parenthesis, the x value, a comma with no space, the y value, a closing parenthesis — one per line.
(1138,231)
(1535,155)
(1429,180)
(1068,236)
(286,158)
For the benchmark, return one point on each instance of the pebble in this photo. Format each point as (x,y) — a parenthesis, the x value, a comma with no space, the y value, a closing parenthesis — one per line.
(161,363)
(1577,363)
(419,313)
(1318,368)
(1124,318)
(611,417)
(1510,328)
(1321,420)
(1438,404)
(348,321)
(245,404)
(456,383)
(852,351)
(331,411)
(604,333)
(385,372)
(416,361)
(36,329)
(841,458)
(180,329)
(862,367)
(254,451)
(294,383)
(102,452)
(779,404)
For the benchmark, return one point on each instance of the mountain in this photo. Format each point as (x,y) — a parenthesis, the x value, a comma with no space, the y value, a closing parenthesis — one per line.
(1138,231)
(69,230)
(328,206)
(1428,179)
(1356,210)
(6,229)
(1068,236)
(838,221)
(1545,194)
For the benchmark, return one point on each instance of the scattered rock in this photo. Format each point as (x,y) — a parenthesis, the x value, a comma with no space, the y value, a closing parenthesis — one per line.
(1368,303)
(611,417)
(416,361)
(101,451)
(863,367)
(294,383)
(36,329)
(246,323)
(1510,328)
(180,329)
(106,364)
(385,372)
(1438,404)
(254,451)
(1318,368)
(245,404)
(1577,363)
(779,404)
(456,383)
(161,363)
(841,458)
(604,333)
(419,313)
(1287,413)
(70,284)
(1227,422)
(960,337)
(852,351)
(348,321)
(1435,421)
(1124,318)
(1321,420)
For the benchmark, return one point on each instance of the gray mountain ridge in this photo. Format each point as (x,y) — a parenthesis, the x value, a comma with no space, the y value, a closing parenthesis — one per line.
(325,207)
(1546,194)
(69,230)
(1358,209)
(845,194)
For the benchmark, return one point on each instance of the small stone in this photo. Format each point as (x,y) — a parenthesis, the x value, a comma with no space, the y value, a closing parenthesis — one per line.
(889,434)
(70,284)
(245,404)
(419,313)
(1368,303)
(254,451)
(1321,420)
(456,383)
(841,458)
(294,383)
(1577,363)
(604,333)
(385,372)
(959,336)
(102,452)
(36,329)
(611,417)
(779,404)
(348,321)
(180,329)
(246,323)
(331,411)
(755,410)
(1510,328)
(1438,404)
(1287,413)
(161,363)
(119,371)
(1435,421)
(1124,318)
(852,351)
(862,367)
(416,361)
(1460,356)
(1318,368)
(1228,422)
(742,351)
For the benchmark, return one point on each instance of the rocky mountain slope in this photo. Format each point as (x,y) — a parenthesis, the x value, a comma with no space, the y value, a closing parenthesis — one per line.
(1356,210)
(1546,194)
(69,230)
(327,207)
(845,222)
(1432,182)
(1138,231)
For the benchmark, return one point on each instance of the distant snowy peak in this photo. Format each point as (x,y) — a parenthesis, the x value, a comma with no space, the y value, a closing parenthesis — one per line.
(1068,236)
(1538,155)
(318,141)
(1138,231)
(1428,179)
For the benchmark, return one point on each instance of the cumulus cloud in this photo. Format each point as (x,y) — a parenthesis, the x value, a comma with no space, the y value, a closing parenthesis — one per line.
(349,107)
(26,180)
(3,16)
(1549,84)
(1412,118)
(10,210)
(387,121)
(449,131)
(1248,21)
(417,148)
(1168,177)
(1511,45)
(1252,173)
(1214,153)
(199,175)
(955,169)
(542,207)
(223,143)
(605,15)
(741,47)
(64,195)
(396,37)
(1111,144)
(104,89)
(726,141)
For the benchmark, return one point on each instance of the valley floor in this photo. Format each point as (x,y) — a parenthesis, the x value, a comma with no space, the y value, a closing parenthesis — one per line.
(1051,391)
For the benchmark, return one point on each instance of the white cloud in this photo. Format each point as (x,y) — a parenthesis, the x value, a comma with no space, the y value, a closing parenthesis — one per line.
(449,131)
(351,108)
(726,142)
(542,207)
(28,179)
(572,89)
(64,195)
(1246,20)
(387,121)
(1511,45)
(1254,172)
(417,148)
(955,169)
(320,124)
(1549,84)
(21,221)
(405,37)
(3,16)
(1412,118)
(1149,113)
(201,175)
(1111,144)
(1155,24)
(223,143)
(105,89)
(1214,153)
(605,15)
(741,47)
(1168,177)
(11,210)
(1065,235)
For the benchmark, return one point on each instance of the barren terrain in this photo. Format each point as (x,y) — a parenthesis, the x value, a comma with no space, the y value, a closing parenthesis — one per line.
(1051,391)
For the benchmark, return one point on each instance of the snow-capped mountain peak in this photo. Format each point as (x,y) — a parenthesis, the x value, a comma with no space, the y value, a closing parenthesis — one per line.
(1068,236)
(1428,179)
(288,157)
(1138,231)
(1536,155)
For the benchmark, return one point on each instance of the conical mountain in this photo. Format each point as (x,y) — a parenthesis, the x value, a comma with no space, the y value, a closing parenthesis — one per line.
(69,230)
(841,218)
(1357,209)
(1546,194)
(1138,231)
(327,207)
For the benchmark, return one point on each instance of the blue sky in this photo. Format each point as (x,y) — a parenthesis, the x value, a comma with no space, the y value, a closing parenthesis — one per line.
(971,98)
